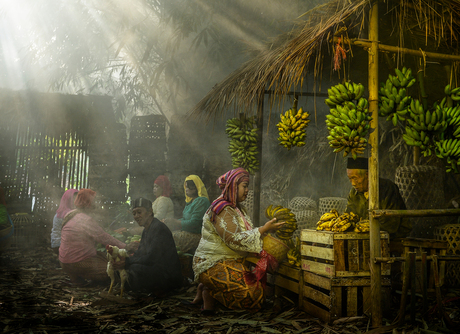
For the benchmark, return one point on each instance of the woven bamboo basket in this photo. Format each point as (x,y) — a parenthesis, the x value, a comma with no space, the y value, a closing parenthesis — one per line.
(305,220)
(302,204)
(451,234)
(275,247)
(326,204)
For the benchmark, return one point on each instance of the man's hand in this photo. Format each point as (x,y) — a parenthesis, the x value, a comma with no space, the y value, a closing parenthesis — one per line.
(132,247)
(119,265)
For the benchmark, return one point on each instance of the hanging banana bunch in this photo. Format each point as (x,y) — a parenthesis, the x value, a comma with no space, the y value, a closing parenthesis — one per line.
(347,123)
(243,143)
(292,128)
(393,98)
(282,214)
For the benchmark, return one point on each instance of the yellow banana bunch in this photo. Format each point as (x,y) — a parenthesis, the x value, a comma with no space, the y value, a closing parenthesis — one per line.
(293,254)
(335,223)
(243,143)
(282,214)
(348,122)
(292,128)
(362,226)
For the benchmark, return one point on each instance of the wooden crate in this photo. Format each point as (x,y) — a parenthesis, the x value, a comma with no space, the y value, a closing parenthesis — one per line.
(332,298)
(430,247)
(340,254)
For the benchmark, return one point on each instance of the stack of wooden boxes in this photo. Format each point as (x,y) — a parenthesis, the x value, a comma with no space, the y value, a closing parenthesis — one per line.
(336,274)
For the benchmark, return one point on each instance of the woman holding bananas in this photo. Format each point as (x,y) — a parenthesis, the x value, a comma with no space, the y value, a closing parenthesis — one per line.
(187,230)
(227,238)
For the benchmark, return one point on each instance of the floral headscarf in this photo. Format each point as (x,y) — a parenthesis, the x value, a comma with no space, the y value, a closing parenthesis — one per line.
(85,199)
(165,185)
(229,185)
(66,203)
(200,188)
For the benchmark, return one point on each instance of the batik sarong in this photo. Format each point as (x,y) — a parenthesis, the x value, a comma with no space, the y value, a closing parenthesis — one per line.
(227,285)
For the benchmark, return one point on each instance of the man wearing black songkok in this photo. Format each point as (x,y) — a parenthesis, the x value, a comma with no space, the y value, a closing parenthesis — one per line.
(155,266)
(389,198)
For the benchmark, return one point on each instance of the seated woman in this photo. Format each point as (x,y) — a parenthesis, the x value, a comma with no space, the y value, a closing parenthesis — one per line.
(163,206)
(79,236)
(155,266)
(66,205)
(227,238)
(187,230)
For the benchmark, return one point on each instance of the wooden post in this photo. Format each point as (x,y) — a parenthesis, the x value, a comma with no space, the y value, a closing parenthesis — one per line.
(374,232)
(258,173)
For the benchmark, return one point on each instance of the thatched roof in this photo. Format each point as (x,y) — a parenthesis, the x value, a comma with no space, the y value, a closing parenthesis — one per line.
(428,25)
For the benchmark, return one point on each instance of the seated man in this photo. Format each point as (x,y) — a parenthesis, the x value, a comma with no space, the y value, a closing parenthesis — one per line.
(389,198)
(154,266)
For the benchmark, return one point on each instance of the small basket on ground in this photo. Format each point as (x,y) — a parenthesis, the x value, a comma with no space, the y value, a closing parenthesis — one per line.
(326,204)
(275,247)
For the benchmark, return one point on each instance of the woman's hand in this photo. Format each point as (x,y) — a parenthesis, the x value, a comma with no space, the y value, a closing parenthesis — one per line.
(271,225)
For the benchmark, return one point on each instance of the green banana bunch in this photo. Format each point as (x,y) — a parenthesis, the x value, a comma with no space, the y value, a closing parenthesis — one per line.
(453,94)
(292,127)
(393,98)
(422,127)
(348,127)
(243,143)
(282,214)
(341,93)
(449,149)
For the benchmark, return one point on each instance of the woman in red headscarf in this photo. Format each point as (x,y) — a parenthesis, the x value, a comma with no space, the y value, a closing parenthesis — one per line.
(79,236)
(228,236)
(163,206)
(66,205)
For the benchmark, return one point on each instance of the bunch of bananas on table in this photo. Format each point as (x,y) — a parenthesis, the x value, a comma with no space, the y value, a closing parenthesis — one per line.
(293,254)
(243,143)
(348,127)
(341,93)
(292,127)
(332,221)
(362,226)
(393,98)
(282,214)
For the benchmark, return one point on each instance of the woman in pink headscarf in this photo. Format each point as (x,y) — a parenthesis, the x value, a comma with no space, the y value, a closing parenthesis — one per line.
(66,205)
(79,236)
(228,236)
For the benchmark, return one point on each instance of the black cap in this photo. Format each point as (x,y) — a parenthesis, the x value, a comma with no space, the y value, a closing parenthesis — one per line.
(141,202)
(358,163)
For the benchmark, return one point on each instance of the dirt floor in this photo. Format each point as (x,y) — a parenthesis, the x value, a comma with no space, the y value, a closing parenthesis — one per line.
(34,298)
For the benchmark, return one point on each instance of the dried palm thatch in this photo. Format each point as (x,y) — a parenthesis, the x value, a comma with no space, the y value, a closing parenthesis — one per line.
(308,49)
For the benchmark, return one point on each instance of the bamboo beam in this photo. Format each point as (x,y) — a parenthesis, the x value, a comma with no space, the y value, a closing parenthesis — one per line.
(391,259)
(395,49)
(414,213)
(374,231)
(258,173)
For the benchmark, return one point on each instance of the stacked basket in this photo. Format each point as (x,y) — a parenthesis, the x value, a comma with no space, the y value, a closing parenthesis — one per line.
(305,212)
(451,234)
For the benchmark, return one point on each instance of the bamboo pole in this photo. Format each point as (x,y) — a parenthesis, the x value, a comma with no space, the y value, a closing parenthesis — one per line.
(258,173)
(414,213)
(374,231)
(395,49)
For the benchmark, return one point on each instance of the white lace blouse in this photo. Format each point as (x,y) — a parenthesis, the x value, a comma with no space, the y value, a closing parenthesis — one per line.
(163,207)
(227,239)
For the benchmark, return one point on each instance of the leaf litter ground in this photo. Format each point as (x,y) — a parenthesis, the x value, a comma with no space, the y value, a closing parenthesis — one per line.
(34,298)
